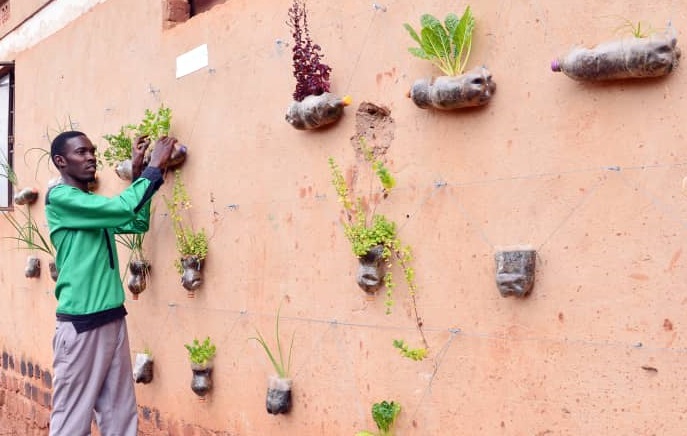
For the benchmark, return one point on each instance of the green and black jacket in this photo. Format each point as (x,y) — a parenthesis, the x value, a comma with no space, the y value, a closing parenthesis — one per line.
(82,227)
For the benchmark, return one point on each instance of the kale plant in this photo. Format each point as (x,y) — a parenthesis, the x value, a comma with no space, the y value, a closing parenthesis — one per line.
(312,76)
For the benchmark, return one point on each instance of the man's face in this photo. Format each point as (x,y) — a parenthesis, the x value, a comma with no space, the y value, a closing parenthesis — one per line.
(78,162)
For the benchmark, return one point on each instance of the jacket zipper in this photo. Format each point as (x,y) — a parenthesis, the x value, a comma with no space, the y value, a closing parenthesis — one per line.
(109,248)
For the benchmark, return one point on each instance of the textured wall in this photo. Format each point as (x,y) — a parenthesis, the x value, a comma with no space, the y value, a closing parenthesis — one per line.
(588,175)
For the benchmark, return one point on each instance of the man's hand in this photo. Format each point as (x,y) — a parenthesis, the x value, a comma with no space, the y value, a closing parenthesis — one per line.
(162,151)
(138,151)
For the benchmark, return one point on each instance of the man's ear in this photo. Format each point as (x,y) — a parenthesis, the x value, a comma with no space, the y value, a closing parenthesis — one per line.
(59,161)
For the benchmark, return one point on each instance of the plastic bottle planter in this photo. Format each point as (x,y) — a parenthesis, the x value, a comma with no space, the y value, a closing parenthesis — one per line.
(371,269)
(53,270)
(315,111)
(201,383)
(26,196)
(192,276)
(138,274)
(627,58)
(33,267)
(471,89)
(278,395)
(178,157)
(515,271)
(143,368)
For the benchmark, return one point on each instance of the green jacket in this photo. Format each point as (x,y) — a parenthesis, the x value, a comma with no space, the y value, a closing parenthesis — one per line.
(82,228)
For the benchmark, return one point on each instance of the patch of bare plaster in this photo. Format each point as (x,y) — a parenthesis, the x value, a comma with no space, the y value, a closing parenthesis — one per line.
(374,130)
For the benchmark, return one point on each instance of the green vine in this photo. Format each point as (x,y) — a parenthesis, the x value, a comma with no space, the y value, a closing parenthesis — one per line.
(365,230)
(188,241)
(411,353)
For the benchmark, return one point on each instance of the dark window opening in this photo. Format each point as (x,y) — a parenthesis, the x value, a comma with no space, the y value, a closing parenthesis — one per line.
(7,175)
(200,6)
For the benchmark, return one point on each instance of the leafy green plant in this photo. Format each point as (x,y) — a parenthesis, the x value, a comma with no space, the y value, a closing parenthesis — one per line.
(384,415)
(201,353)
(189,242)
(365,230)
(281,366)
(153,125)
(28,233)
(446,45)
(410,353)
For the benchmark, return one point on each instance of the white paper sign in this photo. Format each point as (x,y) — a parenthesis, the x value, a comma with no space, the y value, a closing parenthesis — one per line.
(192,60)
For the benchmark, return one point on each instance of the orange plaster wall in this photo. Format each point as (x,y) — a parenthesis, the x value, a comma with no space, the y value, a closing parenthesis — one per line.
(590,176)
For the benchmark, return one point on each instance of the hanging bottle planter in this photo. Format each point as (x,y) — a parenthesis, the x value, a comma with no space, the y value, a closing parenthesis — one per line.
(447,45)
(153,126)
(371,269)
(278,398)
(515,271)
(278,395)
(201,356)
(26,196)
(139,269)
(316,111)
(124,171)
(192,245)
(53,270)
(201,383)
(192,276)
(474,88)
(143,368)
(313,105)
(628,58)
(33,267)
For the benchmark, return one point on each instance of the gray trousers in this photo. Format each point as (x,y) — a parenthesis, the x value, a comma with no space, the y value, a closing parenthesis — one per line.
(92,373)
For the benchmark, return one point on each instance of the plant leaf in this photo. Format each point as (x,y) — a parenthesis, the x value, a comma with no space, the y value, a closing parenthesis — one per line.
(462,39)
(413,33)
(418,52)
(437,44)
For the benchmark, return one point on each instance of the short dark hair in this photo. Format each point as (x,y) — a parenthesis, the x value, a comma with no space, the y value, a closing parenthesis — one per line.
(60,141)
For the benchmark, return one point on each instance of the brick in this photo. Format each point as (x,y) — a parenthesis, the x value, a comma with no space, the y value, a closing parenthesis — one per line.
(47,379)
(42,418)
(45,399)
(176,11)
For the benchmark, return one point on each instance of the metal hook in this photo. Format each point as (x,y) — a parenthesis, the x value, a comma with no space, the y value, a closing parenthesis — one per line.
(378,7)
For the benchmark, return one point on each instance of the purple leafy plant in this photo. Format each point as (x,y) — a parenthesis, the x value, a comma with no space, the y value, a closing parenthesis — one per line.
(312,76)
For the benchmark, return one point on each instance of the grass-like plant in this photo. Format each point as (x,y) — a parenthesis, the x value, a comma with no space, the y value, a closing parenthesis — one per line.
(28,234)
(281,364)
(446,45)
(7,170)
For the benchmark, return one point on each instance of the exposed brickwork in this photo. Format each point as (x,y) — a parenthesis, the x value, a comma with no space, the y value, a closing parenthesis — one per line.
(24,398)
(25,401)
(175,11)
(4,12)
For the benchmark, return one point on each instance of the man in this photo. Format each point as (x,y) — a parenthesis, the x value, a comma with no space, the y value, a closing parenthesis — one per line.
(92,361)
